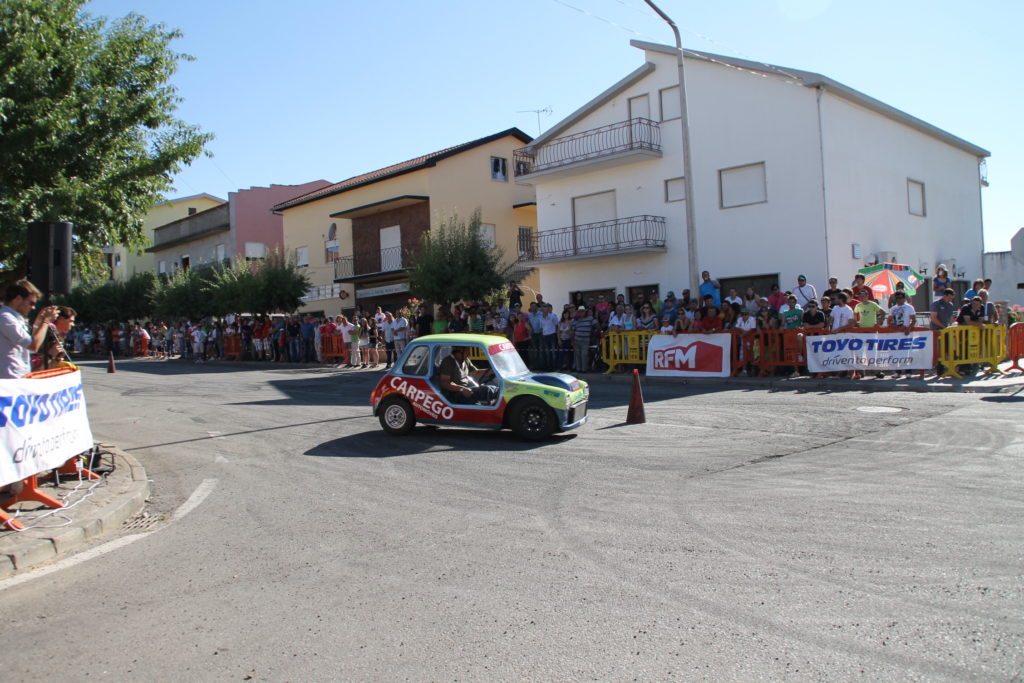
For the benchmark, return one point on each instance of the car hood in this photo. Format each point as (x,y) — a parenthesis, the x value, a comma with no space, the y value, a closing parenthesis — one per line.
(557,380)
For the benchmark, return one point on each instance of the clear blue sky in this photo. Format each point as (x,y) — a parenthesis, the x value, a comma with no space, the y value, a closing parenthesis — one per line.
(296,91)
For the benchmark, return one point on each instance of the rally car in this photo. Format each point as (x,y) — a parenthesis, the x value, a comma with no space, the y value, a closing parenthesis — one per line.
(534,405)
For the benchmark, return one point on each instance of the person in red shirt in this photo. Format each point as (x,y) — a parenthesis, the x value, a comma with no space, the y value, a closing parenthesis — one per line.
(521,334)
(776,299)
(712,322)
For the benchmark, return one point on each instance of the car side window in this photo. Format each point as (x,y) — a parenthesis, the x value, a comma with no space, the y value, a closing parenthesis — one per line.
(417,361)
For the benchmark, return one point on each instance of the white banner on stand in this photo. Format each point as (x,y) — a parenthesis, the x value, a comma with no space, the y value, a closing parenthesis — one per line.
(689,355)
(43,423)
(874,351)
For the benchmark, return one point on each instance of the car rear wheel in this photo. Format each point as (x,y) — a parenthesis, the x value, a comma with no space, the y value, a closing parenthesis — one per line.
(396,416)
(532,419)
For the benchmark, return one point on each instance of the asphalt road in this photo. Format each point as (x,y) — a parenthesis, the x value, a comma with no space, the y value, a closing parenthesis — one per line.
(737,535)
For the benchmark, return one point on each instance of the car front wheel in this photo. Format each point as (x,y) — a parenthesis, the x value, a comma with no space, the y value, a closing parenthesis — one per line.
(396,416)
(532,419)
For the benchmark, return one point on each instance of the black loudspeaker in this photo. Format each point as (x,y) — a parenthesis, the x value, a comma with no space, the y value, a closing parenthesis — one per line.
(49,256)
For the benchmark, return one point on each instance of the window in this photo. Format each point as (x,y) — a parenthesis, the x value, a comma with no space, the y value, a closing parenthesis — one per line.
(499,169)
(915,197)
(302,257)
(332,252)
(640,107)
(487,235)
(675,190)
(185,262)
(418,361)
(117,259)
(669,103)
(255,250)
(522,168)
(221,253)
(645,293)
(525,242)
(593,208)
(742,185)
(391,248)
(161,268)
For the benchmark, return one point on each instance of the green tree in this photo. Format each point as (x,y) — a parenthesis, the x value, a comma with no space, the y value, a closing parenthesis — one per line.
(137,295)
(235,289)
(281,285)
(185,294)
(455,264)
(87,126)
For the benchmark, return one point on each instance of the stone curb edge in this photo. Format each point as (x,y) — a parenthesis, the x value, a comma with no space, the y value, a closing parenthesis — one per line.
(811,384)
(66,539)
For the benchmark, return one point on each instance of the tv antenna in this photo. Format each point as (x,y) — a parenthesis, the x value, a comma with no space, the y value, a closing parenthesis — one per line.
(546,111)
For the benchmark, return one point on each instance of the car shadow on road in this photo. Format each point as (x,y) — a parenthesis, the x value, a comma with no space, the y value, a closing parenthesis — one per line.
(1014,398)
(424,439)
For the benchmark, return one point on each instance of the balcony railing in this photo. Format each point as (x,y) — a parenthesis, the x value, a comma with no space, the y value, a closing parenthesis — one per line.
(368,263)
(624,136)
(322,292)
(635,233)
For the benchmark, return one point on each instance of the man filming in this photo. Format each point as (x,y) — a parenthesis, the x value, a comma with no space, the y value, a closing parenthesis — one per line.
(16,341)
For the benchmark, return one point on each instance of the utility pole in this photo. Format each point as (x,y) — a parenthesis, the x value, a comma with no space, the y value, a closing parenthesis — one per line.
(691,220)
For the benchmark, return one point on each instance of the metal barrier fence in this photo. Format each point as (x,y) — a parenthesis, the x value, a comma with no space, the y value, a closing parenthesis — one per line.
(625,348)
(1015,345)
(771,350)
(232,347)
(334,348)
(971,345)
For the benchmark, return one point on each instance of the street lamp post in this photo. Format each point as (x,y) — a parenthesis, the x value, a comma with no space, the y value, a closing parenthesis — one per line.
(691,220)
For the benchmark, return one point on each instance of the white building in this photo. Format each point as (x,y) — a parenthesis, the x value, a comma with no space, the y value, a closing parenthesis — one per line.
(793,173)
(1006,268)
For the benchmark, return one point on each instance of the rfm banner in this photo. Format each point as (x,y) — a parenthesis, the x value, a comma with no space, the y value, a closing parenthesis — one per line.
(689,355)
(42,424)
(875,351)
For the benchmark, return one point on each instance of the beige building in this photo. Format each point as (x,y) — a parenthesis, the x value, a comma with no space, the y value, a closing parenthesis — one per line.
(124,262)
(355,237)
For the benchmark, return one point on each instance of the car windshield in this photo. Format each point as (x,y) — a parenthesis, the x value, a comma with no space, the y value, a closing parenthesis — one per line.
(507,361)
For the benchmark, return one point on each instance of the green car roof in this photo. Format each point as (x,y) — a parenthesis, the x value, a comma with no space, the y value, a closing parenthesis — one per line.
(468,339)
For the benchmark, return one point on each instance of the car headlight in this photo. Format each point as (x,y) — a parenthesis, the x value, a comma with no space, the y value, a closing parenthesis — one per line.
(568,400)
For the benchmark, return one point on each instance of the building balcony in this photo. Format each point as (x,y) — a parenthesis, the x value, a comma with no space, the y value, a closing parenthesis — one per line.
(619,143)
(322,292)
(368,263)
(635,234)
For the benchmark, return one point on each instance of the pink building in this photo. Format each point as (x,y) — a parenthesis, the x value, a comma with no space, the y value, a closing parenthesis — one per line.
(244,227)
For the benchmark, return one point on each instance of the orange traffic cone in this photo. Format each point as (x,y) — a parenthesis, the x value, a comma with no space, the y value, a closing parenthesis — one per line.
(110,363)
(636,403)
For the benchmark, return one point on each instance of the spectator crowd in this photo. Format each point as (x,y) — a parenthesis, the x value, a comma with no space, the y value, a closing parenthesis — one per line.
(567,339)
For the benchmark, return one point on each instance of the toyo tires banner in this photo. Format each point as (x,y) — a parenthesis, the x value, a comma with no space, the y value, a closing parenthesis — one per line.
(689,355)
(42,424)
(871,351)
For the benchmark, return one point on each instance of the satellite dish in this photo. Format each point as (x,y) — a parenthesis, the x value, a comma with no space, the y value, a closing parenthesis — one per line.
(332,232)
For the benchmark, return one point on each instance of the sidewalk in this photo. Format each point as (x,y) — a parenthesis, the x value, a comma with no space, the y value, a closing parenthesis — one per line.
(91,509)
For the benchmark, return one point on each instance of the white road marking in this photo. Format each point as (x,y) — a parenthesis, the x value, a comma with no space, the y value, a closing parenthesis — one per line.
(217,436)
(197,497)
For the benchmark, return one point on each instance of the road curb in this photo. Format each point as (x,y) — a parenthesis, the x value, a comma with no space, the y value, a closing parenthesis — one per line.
(977,386)
(128,489)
